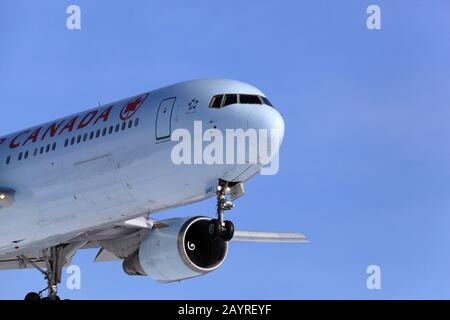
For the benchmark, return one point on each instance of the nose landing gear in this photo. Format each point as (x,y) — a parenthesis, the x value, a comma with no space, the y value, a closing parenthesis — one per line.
(220,228)
(223,231)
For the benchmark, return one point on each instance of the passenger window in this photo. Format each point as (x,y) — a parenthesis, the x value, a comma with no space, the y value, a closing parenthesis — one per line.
(230,99)
(216,101)
(249,99)
(72,141)
(117,127)
(8,159)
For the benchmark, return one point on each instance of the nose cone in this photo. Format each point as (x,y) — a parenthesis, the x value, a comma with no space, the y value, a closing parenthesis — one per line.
(265,117)
(269,125)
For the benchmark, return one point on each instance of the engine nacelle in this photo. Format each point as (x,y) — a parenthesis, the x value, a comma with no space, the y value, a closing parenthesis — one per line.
(177,249)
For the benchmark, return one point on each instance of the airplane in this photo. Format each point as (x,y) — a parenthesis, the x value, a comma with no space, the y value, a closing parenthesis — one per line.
(95,180)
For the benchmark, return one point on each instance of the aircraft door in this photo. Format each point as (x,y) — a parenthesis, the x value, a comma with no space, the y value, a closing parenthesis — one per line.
(164,118)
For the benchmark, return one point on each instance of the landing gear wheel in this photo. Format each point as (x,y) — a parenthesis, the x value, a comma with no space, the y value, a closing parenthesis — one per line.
(214,228)
(55,258)
(228,231)
(32,296)
(52,298)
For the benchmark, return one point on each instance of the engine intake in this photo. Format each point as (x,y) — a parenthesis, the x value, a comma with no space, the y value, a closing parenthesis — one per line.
(177,249)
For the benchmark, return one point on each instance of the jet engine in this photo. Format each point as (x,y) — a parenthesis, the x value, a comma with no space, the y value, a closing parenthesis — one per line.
(177,249)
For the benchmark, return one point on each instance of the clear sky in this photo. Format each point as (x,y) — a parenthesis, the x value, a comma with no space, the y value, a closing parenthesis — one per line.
(365,164)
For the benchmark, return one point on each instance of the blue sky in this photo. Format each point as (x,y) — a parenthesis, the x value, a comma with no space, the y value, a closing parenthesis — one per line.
(364,168)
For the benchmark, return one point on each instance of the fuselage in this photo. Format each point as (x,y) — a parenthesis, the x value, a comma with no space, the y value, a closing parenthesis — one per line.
(113,163)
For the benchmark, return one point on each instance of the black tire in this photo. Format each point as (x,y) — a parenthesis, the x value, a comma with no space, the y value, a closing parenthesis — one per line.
(214,228)
(52,298)
(228,233)
(32,296)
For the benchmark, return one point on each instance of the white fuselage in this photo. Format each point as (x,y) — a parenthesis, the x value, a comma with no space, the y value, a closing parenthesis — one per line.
(113,163)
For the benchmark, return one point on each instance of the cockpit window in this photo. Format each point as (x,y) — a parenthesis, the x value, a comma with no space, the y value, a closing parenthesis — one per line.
(223,100)
(266,101)
(216,101)
(230,99)
(249,99)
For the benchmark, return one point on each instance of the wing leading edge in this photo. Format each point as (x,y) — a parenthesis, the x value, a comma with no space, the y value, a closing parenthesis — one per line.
(271,237)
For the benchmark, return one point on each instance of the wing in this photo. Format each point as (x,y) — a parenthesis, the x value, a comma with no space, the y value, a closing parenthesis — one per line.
(38,258)
(18,263)
(109,239)
(272,237)
(89,239)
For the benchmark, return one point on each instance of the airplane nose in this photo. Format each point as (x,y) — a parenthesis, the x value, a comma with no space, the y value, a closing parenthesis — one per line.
(265,117)
(272,123)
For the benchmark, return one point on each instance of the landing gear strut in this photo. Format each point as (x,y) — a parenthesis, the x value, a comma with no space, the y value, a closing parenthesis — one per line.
(220,228)
(54,260)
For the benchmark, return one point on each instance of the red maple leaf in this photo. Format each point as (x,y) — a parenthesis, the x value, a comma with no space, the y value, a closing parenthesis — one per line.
(133,105)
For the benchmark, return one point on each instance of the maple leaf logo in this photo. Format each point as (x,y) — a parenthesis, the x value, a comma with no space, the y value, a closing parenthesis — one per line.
(132,107)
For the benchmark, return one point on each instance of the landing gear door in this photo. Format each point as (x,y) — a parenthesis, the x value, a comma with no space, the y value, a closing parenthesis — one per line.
(164,118)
